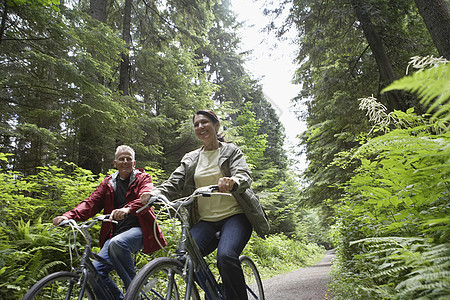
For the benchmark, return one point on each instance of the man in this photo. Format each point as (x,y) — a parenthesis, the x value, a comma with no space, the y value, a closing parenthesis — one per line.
(120,195)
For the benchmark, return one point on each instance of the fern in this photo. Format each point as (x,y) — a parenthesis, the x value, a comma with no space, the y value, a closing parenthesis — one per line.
(427,265)
(432,86)
(393,228)
(46,269)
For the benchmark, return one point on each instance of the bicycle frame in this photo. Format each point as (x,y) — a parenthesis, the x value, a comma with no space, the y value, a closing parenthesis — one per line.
(202,274)
(178,276)
(188,251)
(86,269)
(91,275)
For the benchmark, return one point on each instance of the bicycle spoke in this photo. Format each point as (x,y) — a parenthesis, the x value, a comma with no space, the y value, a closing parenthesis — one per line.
(161,279)
(252,279)
(60,285)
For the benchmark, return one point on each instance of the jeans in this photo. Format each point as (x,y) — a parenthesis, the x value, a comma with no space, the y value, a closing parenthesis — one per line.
(235,233)
(118,251)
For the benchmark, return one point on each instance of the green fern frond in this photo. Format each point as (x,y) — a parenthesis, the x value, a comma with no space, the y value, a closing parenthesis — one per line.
(430,275)
(44,270)
(432,86)
(47,248)
(390,240)
(391,271)
(428,291)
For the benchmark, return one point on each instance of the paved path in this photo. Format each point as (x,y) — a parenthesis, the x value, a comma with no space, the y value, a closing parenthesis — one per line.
(303,284)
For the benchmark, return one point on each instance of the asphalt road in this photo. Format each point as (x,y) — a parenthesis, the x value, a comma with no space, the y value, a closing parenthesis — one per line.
(303,284)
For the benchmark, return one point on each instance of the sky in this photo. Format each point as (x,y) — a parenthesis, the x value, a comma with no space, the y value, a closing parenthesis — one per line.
(273,66)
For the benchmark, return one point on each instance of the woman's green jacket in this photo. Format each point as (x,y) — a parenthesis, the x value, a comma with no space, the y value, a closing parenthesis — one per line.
(232,164)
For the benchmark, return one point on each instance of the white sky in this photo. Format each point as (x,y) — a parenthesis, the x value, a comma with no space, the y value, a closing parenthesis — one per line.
(274,66)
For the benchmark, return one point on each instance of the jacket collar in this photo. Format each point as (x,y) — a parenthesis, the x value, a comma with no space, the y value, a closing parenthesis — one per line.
(225,151)
(132,177)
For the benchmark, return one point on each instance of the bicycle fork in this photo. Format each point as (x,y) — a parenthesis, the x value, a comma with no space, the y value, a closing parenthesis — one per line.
(189,272)
(84,277)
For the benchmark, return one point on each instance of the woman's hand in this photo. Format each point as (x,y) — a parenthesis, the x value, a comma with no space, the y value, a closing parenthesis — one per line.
(226,184)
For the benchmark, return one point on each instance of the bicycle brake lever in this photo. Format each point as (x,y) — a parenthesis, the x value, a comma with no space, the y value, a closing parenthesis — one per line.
(63,223)
(213,188)
(107,218)
(110,220)
(149,203)
(208,191)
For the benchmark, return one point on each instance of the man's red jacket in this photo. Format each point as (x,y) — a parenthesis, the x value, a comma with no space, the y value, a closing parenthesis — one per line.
(103,199)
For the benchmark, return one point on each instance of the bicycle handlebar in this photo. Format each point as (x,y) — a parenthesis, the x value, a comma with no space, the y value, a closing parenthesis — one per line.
(87,224)
(206,191)
(83,230)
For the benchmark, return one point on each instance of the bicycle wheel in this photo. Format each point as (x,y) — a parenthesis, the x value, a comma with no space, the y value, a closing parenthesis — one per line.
(162,278)
(59,285)
(252,279)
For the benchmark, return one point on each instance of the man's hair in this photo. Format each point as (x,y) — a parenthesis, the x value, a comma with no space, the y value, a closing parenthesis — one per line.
(124,148)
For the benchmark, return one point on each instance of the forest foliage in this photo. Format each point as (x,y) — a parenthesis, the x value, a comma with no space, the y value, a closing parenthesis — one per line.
(78,78)
(392,223)
(384,185)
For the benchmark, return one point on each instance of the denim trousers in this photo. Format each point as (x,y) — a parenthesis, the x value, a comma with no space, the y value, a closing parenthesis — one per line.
(235,232)
(119,250)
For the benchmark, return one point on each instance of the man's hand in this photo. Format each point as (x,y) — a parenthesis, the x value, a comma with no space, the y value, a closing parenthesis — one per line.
(145,197)
(120,213)
(59,219)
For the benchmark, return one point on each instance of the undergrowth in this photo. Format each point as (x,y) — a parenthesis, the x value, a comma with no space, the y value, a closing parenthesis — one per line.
(392,231)
(279,254)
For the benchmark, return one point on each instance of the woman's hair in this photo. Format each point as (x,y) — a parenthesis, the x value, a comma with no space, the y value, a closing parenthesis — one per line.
(208,113)
(213,117)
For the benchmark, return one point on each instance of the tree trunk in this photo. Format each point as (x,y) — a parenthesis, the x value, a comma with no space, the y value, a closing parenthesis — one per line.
(97,10)
(385,68)
(3,22)
(88,158)
(436,15)
(124,77)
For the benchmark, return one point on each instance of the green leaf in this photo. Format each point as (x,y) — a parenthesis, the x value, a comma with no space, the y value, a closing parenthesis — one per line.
(432,86)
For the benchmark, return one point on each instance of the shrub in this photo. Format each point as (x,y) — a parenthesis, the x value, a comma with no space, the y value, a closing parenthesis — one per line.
(392,226)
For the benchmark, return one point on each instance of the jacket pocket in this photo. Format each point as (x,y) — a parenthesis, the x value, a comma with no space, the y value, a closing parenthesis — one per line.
(254,211)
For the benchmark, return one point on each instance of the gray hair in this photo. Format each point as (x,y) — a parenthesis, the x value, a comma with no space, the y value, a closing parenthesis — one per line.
(124,148)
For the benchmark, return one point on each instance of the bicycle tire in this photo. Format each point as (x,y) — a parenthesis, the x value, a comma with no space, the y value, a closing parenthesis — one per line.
(59,285)
(154,282)
(253,281)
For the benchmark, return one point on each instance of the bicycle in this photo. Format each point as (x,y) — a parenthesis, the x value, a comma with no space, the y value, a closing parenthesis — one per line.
(187,273)
(80,283)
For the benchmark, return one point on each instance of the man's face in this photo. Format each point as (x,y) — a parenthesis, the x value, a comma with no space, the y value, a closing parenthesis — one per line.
(124,163)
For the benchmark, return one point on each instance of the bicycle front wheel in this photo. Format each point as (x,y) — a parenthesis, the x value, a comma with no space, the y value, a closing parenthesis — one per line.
(162,278)
(252,279)
(59,285)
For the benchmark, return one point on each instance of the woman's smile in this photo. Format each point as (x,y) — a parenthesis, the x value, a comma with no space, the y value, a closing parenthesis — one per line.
(206,131)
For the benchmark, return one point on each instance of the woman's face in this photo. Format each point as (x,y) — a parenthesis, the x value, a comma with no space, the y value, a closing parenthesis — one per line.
(205,129)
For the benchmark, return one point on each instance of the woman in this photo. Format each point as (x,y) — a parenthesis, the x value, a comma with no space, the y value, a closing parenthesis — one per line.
(223,164)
